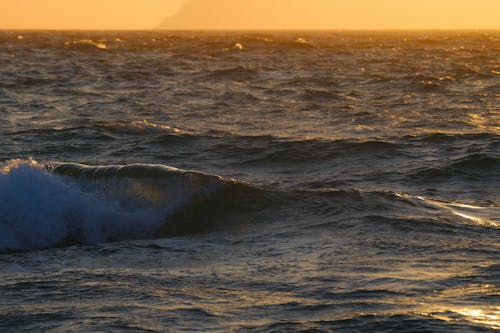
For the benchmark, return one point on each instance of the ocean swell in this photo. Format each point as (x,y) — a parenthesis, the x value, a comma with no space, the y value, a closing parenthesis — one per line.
(45,205)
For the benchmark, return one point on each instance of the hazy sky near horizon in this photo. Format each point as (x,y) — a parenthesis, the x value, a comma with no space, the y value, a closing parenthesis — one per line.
(293,14)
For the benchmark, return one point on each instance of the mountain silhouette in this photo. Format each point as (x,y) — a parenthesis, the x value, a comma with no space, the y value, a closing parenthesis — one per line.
(333,14)
(243,14)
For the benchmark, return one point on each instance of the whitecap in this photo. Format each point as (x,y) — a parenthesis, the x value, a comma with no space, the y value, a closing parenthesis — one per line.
(143,127)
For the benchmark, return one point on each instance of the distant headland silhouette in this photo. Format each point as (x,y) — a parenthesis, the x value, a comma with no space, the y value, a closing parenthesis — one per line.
(241,14)
(329,14)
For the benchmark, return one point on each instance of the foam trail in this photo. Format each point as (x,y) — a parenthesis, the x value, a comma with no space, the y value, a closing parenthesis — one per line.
(485,216)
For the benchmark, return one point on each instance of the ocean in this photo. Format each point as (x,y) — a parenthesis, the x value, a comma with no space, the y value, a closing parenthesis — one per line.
(249,181)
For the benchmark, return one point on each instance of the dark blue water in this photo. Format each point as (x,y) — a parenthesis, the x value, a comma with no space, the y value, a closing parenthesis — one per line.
(269,182)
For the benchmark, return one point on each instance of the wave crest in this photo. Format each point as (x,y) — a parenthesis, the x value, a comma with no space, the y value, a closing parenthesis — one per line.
(86,43)
(139,127)
(54,204)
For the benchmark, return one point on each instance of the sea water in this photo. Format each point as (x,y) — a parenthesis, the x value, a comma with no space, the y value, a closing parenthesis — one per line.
(269,182)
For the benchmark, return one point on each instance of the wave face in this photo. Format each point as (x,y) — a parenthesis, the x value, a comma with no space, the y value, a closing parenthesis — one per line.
(54,204)
(249,181)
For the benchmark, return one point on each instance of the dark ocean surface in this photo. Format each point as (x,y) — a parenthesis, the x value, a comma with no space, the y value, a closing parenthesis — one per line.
(267,182)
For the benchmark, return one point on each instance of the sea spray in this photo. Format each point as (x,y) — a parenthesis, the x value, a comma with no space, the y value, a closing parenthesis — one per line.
(45,205)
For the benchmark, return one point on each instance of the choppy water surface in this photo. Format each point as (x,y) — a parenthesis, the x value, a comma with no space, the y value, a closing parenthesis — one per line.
(249,181)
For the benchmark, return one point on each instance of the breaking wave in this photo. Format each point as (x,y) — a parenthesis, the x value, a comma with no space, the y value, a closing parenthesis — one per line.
(56,204)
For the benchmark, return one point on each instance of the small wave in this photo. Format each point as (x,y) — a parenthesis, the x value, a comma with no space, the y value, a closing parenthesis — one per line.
(236,47)
(257,38)
(492,89)
(323,95)
(45,205)
(27,81)
(239,96)
(429,83)
(446,138)
(304,42)
(86,43)
(141,127)
(239,73)
(430,86)
(385,207)
(486,216)
(474,164)
(403,321)
(313,151)
(477,162)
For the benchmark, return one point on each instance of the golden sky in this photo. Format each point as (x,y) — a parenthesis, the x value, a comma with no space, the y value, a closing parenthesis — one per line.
(250,14)
(85,14)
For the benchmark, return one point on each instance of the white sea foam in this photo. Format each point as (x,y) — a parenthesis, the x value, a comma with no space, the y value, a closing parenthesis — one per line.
(40,208)
(142,127)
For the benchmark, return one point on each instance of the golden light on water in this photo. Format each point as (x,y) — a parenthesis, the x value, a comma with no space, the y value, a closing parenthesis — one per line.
(485,317)
(250,14)
(488,316)
(479,316)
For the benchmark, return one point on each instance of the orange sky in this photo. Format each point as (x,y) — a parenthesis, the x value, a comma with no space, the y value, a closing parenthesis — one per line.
(288,14)
(85,14)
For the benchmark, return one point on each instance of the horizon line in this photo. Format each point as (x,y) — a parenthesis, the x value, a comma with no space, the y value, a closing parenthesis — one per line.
(256,30)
